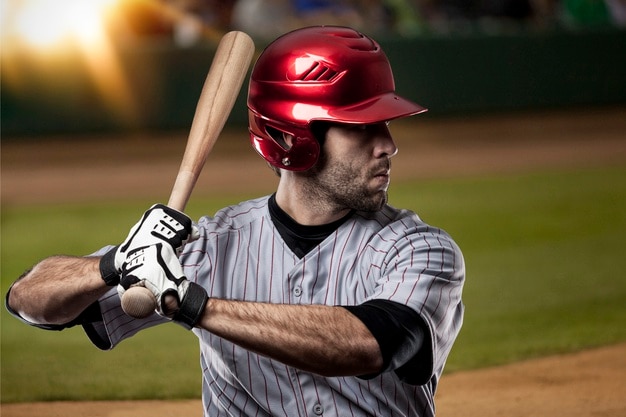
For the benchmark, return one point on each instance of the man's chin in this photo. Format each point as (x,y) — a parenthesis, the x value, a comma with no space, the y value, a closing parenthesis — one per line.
(375,203)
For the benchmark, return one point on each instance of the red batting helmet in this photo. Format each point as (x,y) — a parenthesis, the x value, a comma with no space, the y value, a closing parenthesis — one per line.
(321,73)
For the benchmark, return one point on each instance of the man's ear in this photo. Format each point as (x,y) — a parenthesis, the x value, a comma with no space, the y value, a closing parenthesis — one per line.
(288,139)
(284,139)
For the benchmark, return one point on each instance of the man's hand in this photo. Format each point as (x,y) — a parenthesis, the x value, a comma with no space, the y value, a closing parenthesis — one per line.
(157,268)
(160,224)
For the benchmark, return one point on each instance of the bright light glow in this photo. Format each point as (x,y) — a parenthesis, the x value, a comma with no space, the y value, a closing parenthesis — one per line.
(47,23)
(302,111)
(35,25)
(41,36)
(86,22)
(304,63)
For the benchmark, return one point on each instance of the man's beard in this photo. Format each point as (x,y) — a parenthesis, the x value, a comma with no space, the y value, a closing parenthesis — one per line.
(344,187)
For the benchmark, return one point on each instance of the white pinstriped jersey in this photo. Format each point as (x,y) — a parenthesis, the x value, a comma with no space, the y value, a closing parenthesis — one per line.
(390,255)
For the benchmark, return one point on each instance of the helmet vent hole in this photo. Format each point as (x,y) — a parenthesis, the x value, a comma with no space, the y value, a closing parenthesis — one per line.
(318,72)
(278,137)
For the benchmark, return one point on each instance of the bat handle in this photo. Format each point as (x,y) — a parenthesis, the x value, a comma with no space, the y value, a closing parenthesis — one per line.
(138,302)
(185,181)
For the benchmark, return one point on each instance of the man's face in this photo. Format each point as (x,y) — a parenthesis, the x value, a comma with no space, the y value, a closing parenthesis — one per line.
(354,165)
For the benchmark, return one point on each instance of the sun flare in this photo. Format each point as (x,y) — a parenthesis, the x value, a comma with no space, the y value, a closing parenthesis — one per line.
(45,24)
(43,38)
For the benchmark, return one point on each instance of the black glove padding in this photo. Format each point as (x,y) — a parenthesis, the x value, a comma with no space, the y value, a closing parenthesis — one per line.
(157,268)
(160,224)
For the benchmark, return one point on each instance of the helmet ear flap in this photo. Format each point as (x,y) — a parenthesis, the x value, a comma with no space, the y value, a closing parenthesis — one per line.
(269,141)
(302,155)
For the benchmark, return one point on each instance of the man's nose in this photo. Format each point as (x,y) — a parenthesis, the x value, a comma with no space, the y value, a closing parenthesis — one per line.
(385,145)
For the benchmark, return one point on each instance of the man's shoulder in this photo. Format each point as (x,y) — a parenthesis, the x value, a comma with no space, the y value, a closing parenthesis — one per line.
(391,221)
(237,215)
(387,215)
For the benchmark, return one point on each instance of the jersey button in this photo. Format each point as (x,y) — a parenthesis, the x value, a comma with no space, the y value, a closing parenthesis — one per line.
(318,409)
(297,291)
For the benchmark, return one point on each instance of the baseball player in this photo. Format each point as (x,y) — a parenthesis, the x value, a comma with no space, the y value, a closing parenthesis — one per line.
(317,300)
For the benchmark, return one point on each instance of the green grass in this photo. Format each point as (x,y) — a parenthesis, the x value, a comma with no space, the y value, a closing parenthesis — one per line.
(543,257)
(543,254)
(162,362)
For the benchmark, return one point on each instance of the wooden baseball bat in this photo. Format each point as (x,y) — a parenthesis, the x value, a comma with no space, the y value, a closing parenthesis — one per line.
(221,88)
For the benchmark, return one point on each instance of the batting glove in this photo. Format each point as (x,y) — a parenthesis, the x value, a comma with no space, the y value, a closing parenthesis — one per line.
(157,268)
(160,224)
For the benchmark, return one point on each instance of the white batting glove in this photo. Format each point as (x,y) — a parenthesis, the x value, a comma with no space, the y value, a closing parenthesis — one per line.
(157,268)
(159,224)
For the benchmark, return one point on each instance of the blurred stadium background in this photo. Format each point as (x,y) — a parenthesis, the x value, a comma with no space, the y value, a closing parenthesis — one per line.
(76,66)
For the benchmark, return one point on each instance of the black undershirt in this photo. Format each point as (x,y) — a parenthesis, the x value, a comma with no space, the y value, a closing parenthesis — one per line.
(300,238)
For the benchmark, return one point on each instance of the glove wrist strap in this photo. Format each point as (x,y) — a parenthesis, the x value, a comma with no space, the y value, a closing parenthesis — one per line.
(109,273)
(191,306)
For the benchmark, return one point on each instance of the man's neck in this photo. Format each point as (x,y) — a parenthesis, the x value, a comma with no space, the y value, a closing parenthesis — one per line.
(306,209)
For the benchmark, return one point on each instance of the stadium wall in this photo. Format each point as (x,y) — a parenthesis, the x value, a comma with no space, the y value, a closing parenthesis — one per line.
(475,72)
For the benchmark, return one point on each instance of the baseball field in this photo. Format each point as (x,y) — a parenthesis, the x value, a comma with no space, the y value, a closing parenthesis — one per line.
(536,200)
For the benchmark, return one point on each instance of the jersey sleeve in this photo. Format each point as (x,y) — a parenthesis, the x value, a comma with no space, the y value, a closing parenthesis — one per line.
(113,325)
(421,268)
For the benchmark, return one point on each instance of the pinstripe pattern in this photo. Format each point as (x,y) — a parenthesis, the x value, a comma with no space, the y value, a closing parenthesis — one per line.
(388,255)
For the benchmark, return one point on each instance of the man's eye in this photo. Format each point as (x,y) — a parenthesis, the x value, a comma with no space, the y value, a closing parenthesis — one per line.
(369,127)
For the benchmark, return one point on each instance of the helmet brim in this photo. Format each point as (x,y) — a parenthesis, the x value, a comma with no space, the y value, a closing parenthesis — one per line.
(382,108)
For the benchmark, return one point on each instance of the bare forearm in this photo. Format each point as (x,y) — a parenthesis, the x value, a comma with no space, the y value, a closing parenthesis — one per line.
(325,340)
(57,289)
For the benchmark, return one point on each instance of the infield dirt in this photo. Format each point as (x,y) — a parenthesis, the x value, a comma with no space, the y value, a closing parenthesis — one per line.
(586,383)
